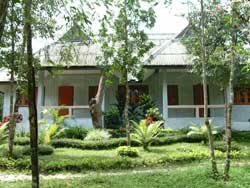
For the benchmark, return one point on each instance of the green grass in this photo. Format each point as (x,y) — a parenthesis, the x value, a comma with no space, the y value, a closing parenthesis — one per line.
(190,177)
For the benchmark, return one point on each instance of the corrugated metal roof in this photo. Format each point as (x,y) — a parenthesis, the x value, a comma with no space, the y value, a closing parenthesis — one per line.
(167,51)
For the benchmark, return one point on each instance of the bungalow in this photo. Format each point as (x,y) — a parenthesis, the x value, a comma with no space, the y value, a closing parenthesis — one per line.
(168,80)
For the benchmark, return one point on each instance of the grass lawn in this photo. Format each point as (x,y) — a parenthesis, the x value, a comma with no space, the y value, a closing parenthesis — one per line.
(187,177)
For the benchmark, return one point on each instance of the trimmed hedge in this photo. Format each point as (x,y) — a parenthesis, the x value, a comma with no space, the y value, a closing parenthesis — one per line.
(116,142)
(81,164)
(126,151)
(22,141)
(42,150)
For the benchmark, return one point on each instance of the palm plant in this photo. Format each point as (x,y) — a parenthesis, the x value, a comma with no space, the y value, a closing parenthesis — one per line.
(3,132)
(50,130)
(146,134)
(202,130)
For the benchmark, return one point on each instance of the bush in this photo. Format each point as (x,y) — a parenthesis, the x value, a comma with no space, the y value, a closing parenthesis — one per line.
(241,136)
(83,164)
(42,150)
(74,132)
(117,133)
(96,145)
(221,146)
(112,118)
(116,142)
(97,135)
(146,134)
(22,141)
(126,151)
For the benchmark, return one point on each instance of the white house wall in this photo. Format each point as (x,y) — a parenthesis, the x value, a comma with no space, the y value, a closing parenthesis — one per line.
(177,117)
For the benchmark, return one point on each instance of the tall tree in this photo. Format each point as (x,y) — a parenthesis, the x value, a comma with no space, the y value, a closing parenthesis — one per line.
(3,13)
(239,24)
(125,42)
(31,94)
(205,91)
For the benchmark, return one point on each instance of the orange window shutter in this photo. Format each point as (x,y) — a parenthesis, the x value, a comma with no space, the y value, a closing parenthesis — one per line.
(65,98)
(173,95)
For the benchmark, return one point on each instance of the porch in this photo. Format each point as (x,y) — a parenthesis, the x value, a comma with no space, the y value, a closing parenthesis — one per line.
(174,92)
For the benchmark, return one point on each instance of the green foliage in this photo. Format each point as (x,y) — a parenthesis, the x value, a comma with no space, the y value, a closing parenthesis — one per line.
(147,103)
(202,130)
(91,145)
(42,150)
(49,130)
(241,136)
(3,132)
(146,134)
(221,146)
(126,151)
(113,118)
(155,114)
(96,163)
(97,135)
(116,142)
(74,132)
(22,141)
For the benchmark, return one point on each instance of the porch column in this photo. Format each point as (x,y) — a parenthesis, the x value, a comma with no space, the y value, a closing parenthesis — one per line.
(6,102)
(40,94)
(165,102)
(103,110)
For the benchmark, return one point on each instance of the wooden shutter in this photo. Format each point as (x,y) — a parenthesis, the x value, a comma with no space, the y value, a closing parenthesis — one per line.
(92,91)
(199,98)
(65,98)
(173,95)
(242,96)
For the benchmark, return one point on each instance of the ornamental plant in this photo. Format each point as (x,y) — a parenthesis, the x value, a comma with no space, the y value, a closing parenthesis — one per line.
(145,134)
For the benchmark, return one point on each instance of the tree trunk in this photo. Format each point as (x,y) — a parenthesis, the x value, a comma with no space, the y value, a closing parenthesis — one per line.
(231,94)
(95,105)
(3,14)
(205,93)
(12,125)
(31,97)
(126,117)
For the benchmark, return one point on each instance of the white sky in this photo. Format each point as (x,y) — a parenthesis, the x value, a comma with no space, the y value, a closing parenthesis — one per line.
(169,20)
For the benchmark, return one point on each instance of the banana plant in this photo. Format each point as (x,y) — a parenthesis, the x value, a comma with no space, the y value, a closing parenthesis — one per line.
(145,134)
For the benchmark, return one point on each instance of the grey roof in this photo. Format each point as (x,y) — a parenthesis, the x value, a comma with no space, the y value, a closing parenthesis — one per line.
(168,51)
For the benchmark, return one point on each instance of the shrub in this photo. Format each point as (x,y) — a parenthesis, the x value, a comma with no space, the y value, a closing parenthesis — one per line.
(22,141)
(126,151)
(241,136)
(221,146)
(116,142)
(49,130)
(155,114)
(117,133)
(146,134)
(42,150)
(98,145)
(74,132)
(112,118)
(97,135)
(202,130)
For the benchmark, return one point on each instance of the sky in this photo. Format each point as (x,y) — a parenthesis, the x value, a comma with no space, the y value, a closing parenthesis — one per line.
(169,20)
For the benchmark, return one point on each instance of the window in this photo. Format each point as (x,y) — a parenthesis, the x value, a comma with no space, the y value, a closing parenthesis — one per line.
(92,91)
(136,91)
(242,96)
(173,96)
